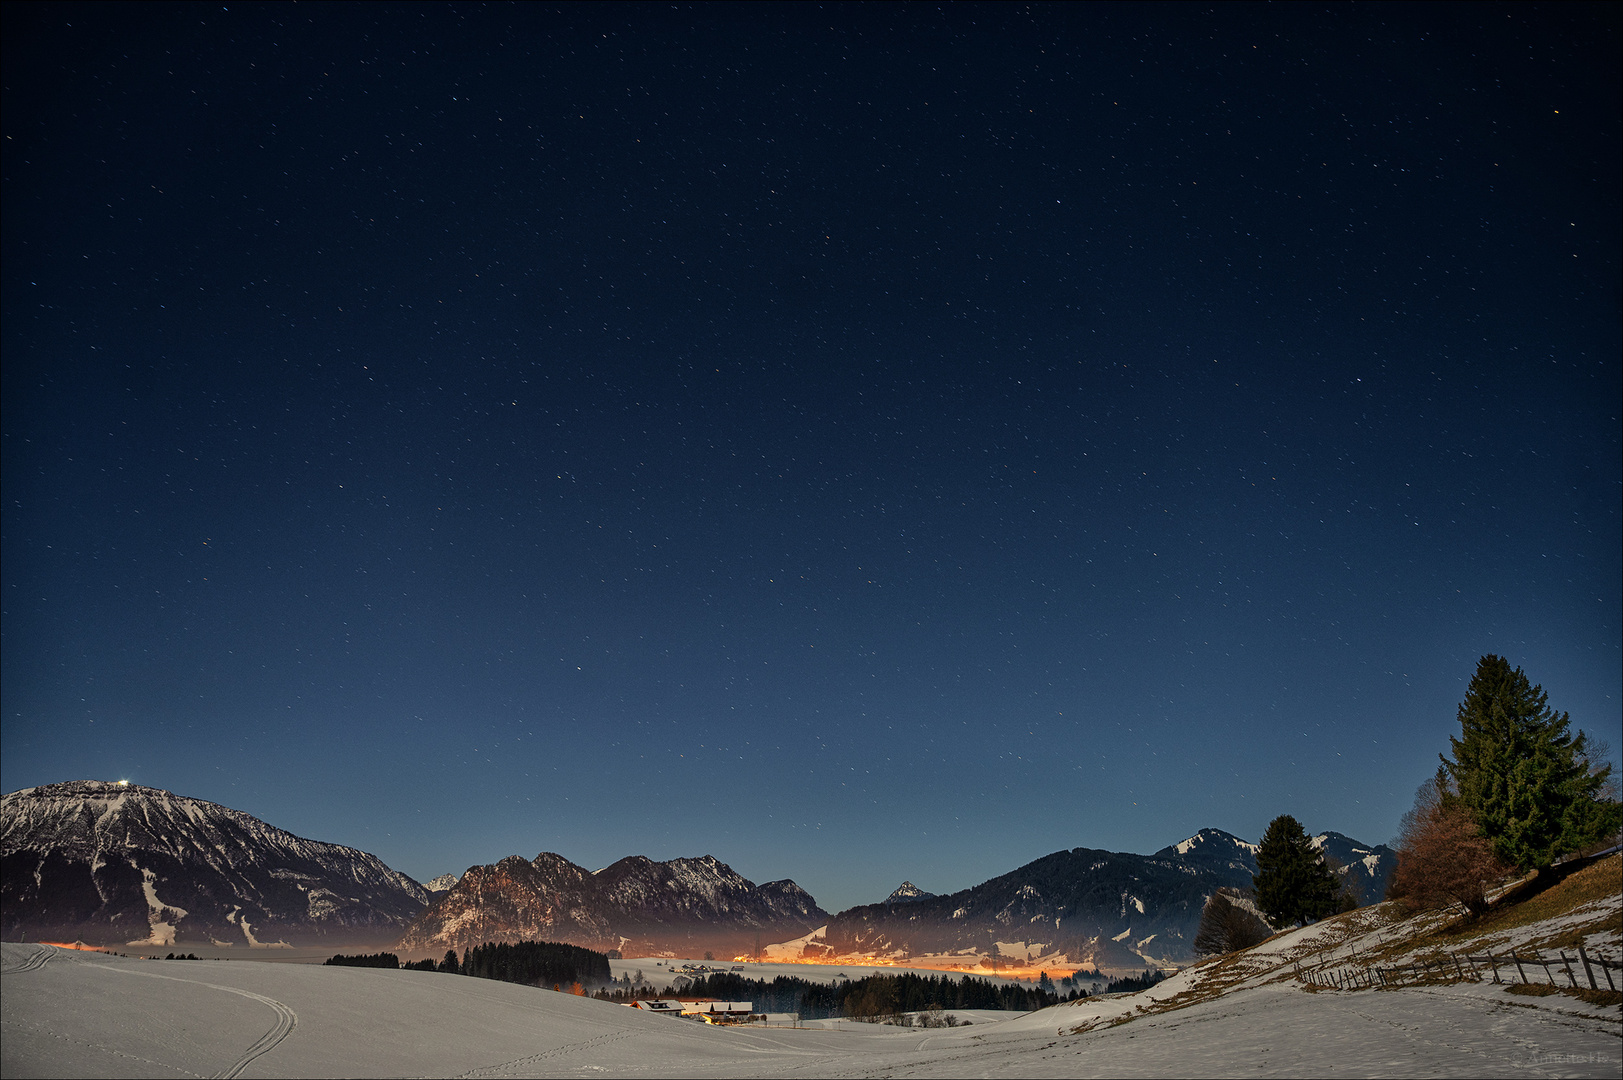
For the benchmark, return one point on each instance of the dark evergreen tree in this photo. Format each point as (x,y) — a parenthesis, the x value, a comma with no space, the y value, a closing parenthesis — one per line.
(1292,883)
(1524,777)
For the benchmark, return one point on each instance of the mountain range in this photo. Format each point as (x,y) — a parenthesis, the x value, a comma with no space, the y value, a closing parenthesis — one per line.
(1111,910)
(113,863)
(636,905)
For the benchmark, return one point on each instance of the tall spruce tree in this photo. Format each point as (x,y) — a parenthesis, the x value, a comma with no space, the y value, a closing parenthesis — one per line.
(1525,778)
(1292,883)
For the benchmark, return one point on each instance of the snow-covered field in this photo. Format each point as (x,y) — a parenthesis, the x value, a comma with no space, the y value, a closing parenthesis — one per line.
(84,1014)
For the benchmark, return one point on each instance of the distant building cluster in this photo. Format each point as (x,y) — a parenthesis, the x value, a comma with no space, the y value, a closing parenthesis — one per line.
(709,1010)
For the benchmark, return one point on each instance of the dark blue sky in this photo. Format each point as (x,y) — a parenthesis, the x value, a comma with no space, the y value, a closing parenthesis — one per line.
(857,442)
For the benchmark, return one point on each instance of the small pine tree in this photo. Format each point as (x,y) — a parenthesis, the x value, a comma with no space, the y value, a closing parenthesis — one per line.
(1292,883)
(1526,780)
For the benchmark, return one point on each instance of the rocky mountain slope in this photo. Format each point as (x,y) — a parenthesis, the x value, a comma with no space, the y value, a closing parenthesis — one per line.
(117,863)
(684,906)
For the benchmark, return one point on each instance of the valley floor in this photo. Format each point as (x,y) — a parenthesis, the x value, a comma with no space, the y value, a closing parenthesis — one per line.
(84,1014)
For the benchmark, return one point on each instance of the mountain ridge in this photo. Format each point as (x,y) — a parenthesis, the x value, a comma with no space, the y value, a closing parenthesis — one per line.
(1117,911)
(147,866)
(635,904)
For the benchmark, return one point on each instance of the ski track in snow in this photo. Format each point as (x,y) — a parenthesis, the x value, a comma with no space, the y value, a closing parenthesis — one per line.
(41,956)
(286,1018)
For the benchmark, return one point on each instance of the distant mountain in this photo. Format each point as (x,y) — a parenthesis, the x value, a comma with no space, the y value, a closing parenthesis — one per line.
(1364,867)
(1361,866)
(1115,910)
(440,884)
(684,906)
(117,863)
(907,893)
(1214,850)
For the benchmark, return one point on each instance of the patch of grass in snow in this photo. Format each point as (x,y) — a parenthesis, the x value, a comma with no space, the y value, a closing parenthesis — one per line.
(1594,997)
(1452,935)
(1602,881)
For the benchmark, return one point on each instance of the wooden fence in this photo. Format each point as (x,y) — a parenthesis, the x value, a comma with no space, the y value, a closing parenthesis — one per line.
(1459,967)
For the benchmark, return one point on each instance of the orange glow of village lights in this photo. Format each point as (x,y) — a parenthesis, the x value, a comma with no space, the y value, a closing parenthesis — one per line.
(1019,972)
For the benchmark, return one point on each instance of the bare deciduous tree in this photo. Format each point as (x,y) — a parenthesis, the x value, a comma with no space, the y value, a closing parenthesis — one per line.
(1443,859)
(1226,926)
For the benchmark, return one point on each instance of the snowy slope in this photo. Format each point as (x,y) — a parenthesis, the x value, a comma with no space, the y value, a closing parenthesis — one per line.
(120,863)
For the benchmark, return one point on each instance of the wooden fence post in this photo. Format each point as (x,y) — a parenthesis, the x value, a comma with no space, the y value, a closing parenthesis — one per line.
(1493,964)
(1518,962)
(1589,972)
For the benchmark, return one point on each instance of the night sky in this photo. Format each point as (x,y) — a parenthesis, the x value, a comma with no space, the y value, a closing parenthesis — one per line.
(862,443)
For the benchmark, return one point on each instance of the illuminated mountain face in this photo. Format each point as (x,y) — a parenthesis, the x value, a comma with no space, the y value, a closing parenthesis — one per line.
(636,905)
(117,863)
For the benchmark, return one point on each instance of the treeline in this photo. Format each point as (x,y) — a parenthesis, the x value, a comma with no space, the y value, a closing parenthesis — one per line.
(533,963)
(545,964)
(1132,984)
(876,995)
(373,960)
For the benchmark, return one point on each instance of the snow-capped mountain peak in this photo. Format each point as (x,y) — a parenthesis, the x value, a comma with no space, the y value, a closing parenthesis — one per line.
(117,862)
(907,893)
